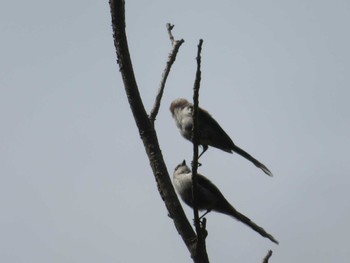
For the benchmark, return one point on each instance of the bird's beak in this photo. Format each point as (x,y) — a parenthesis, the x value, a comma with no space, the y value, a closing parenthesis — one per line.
(183,162)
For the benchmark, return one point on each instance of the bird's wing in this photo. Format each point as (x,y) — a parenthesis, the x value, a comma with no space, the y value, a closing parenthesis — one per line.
(212,134)
(208,194)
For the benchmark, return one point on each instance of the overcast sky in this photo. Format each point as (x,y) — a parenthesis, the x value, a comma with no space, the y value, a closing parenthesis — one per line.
(75,182)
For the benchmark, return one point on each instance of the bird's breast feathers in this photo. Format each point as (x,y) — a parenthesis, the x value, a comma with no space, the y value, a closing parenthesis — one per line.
(183,183)
(184,120)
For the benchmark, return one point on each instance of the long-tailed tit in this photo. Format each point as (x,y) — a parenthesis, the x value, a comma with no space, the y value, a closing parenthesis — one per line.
(211,133)
(209,197)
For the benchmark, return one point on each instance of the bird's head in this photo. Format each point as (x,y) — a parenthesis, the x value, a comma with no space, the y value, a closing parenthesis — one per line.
(182,168)
(178,103)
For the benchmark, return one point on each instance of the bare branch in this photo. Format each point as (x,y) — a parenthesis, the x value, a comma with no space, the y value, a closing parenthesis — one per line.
(170,27)
(267,257)
(171,59)
(195,133)
(146,129)
(201,231)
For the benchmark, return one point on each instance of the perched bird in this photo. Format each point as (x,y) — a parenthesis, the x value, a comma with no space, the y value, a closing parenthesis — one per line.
(209,197)
(211,133)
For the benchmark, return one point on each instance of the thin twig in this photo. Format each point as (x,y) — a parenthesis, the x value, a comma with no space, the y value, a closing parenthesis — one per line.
(267,257)
(171,59)
(170,27)
(195,134)
(195,140)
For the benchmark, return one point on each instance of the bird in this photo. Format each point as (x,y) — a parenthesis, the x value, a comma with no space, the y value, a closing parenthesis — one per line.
(210,132)
(209,197)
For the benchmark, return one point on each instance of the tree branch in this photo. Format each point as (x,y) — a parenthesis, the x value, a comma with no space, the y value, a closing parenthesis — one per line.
(146,129)
(267,257)
(201,231)
(169,28)
(196,134)
(171,59)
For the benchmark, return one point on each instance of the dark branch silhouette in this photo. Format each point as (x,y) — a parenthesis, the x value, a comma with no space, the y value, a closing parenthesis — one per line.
(200,229)
(267,257)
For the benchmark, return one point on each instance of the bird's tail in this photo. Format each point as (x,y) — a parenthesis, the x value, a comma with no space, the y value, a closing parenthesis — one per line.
(246,155)
(250,223)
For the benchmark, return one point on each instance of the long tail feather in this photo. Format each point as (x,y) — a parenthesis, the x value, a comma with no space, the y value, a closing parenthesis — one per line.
(246,155)
(251,224)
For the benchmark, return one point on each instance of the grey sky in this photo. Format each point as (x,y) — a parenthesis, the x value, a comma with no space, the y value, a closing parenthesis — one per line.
(75,181)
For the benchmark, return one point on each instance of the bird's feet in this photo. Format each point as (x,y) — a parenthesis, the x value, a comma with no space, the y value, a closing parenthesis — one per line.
(198,164)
